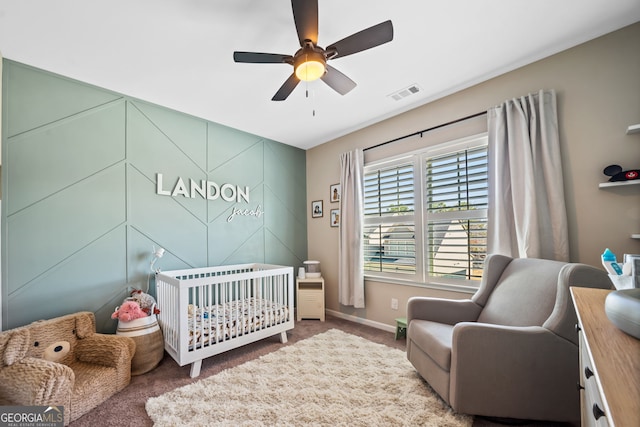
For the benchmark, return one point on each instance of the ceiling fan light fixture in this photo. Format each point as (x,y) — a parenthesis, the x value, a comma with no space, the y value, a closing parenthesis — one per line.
(310,66)
(310,71)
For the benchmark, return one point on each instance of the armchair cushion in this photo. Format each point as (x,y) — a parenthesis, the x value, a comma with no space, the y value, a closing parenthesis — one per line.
(437,338)
(521,298)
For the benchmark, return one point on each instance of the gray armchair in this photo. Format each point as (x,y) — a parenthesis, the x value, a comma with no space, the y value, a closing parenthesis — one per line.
(511,351)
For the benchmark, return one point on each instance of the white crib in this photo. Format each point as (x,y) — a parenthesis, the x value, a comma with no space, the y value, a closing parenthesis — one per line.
(207,311)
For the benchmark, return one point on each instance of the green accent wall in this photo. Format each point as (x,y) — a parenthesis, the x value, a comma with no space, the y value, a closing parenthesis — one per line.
(80,213)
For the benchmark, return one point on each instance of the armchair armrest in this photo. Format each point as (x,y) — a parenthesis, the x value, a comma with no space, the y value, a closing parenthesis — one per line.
(107,350)
(497,368)
(36,382)
(442,310)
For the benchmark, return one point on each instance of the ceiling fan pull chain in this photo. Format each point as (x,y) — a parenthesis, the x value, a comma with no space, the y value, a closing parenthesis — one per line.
(313,99)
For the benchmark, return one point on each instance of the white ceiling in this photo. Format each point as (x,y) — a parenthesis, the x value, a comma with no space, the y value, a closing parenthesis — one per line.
(179,53)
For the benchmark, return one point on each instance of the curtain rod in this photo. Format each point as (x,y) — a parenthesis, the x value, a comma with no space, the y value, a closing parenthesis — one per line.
(427,130)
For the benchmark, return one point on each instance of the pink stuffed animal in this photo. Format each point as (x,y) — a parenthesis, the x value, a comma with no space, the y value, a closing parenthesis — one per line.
(128,311)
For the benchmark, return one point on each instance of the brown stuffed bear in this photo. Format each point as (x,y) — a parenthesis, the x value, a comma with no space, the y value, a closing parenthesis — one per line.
(63,362)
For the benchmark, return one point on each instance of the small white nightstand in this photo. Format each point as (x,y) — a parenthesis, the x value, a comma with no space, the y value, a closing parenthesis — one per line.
(310,298)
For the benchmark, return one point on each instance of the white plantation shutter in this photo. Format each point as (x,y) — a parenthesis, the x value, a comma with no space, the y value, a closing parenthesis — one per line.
(425,215)
(389,212)
(386,188)
(456,213)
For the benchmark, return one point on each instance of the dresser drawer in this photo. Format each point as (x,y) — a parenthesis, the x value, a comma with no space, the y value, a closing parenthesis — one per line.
(592,406)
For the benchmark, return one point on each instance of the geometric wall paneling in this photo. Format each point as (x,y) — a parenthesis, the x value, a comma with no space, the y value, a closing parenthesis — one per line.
(139,256)
(98,271)
(47,97)
(279,253)
(165,220)
(188,133)
(287,170)
(245,170)
(151,152)
(46,233)
(284,225)
(227,237)
(151,149)
(285,181)
(225,143)
(251,250)
(289,157)
(81,213)
(93,138)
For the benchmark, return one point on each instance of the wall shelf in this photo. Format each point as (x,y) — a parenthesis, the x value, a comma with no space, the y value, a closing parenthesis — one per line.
(630,130)
(619,183)
(633,129)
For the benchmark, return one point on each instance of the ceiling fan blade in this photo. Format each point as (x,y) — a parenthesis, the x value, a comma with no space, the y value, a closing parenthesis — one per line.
(363,40)
(305,15)
(262,58)
(288,87)
(338,81)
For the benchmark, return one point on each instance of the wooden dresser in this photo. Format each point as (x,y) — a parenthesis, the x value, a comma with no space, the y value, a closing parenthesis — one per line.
(609,364)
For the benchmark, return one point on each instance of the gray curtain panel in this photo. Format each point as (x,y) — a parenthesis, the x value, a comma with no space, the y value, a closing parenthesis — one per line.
(350,249)
(528,216)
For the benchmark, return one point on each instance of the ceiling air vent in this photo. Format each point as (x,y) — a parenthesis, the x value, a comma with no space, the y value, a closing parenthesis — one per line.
(403,93)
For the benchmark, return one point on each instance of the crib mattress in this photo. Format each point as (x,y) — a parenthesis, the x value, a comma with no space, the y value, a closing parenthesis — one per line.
(211,324)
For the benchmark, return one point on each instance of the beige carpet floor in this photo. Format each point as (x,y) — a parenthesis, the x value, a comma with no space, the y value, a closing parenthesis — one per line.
(330,379)
(127,408)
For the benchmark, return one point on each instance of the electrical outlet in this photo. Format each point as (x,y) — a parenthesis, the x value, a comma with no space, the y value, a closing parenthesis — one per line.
(394,303)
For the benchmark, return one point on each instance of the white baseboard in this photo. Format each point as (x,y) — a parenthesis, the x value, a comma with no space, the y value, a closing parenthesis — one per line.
(356,319)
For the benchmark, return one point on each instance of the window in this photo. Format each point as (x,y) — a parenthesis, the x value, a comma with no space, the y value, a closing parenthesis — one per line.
(456,213)
(425,215)
(389,211)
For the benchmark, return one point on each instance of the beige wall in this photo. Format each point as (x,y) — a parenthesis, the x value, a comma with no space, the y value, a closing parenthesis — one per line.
(598,87)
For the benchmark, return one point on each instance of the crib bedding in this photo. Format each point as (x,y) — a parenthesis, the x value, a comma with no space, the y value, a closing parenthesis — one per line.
(228,320)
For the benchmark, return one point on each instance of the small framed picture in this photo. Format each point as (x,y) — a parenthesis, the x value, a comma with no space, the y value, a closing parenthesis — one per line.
(334,193)
(335,217)
(316,209)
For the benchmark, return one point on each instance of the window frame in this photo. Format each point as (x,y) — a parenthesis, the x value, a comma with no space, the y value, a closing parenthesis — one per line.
(418,157)
(389,163)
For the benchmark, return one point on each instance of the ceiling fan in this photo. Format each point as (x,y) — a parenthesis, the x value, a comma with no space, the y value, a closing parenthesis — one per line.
(310,61)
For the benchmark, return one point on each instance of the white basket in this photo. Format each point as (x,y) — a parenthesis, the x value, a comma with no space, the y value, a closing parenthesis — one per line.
(147,335)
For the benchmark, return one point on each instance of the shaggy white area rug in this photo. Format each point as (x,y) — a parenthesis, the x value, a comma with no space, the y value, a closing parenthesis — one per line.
(330,379)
